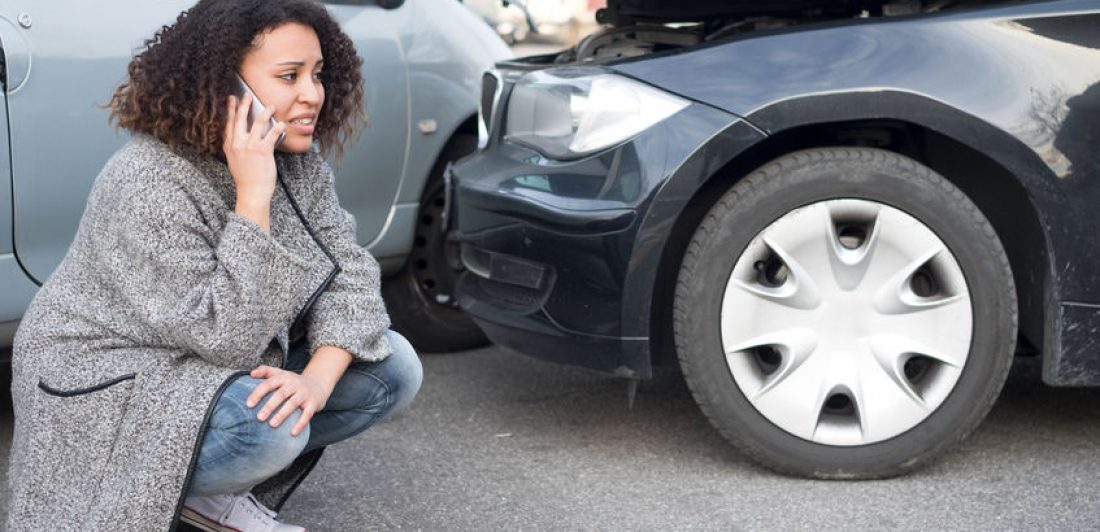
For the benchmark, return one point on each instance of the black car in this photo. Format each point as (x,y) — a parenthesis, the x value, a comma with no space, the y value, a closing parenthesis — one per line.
(843,219)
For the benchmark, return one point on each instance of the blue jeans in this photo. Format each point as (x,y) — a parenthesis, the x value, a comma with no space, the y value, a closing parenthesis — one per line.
(239,451)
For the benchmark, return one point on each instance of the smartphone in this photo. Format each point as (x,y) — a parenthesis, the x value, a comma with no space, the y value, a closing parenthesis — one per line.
(256,109)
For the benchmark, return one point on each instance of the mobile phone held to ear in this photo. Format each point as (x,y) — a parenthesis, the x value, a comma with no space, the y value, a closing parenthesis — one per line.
(256,110)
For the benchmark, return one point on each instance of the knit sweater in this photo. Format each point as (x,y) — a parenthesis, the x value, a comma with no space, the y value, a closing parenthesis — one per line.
(164,296)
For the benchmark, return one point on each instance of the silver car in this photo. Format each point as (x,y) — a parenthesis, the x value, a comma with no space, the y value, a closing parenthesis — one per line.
(60,61)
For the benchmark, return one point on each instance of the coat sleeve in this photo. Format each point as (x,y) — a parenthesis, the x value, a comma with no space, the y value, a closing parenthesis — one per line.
(350,314)
(222,294)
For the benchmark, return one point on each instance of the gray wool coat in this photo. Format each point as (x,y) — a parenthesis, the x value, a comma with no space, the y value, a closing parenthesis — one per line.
(165,296)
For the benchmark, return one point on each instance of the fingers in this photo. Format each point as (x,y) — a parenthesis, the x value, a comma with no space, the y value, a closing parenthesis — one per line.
(288,408)
(261,372)
(257,130)
(237,132)
(286,392)
(230,118)
(272,138)
(303,422)
(236,123)
(240,123)
(275,399)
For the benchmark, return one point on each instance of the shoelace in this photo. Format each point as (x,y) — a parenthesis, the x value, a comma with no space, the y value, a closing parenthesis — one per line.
(252,511)
(227,505)
(260,506)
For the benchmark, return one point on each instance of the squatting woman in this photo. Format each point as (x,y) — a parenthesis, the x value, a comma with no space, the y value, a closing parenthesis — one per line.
(215,324)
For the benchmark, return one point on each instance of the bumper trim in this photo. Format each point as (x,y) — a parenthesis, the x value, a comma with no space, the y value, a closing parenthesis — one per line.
(530,209)
(525,328)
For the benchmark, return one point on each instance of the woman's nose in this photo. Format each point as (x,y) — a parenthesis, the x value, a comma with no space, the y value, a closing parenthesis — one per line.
(309,91)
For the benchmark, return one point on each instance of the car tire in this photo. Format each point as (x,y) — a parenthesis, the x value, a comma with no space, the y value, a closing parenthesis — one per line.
(815,339)
(420,297)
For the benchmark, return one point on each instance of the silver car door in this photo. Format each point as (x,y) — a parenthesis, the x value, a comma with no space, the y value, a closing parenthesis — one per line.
(60,138)
(370,174)
(16,289)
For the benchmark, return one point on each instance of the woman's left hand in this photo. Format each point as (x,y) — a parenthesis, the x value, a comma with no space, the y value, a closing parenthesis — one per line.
(291,391)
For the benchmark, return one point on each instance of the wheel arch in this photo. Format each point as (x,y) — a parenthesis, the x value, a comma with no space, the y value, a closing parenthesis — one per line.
(997,191)
(412,192)
(463,130)
(464,127)
(413,291)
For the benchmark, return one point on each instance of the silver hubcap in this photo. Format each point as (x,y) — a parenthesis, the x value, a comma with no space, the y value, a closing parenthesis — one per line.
(846,322)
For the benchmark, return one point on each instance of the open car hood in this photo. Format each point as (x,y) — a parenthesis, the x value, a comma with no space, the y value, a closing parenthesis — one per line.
(621,12)
(626,12)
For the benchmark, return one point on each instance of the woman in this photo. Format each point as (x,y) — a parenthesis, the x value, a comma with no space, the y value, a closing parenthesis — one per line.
(215,324)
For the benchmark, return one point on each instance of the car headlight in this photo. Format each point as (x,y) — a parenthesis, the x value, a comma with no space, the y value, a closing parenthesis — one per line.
(569,113)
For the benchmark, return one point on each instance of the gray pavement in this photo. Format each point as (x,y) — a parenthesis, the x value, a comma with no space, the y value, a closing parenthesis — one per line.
(498,441)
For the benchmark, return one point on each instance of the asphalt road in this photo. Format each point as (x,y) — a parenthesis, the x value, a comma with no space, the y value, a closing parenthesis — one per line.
(498,441)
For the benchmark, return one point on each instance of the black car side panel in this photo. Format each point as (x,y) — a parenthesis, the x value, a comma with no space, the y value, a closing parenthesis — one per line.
(592,306)
(665,208)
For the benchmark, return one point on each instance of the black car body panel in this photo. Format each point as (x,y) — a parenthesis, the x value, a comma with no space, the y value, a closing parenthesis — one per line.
(1015,86)
(918,71)
(586,219)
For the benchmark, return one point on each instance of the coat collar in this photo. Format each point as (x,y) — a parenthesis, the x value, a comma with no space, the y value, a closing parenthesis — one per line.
(292,167)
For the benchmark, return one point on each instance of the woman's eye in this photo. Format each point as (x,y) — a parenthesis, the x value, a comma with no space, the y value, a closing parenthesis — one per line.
(290,76)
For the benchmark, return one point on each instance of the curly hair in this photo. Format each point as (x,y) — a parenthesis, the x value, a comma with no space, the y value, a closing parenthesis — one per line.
(179,82)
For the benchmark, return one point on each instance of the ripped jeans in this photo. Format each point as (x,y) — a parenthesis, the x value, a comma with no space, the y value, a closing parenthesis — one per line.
(239,451)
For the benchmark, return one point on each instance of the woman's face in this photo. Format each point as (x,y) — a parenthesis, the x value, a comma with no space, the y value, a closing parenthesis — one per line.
(283,69)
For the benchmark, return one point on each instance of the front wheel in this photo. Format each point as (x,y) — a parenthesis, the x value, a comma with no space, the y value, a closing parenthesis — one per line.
(845,313)
(420,297)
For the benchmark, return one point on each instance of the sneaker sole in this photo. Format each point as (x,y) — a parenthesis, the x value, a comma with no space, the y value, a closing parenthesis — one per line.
(201,522)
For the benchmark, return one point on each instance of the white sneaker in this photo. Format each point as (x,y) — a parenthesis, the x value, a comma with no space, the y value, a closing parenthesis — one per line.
(231,513)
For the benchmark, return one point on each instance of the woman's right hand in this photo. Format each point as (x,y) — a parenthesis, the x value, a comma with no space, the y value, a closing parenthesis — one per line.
(251,159)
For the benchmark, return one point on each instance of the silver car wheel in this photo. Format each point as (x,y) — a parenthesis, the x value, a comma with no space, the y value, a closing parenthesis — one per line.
(846,322)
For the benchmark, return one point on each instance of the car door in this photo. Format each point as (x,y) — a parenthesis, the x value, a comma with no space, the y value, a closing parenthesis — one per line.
(76,54)
(16,289)
(370,174)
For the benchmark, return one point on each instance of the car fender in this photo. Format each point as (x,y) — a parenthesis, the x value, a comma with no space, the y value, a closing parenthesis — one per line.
(444,70)
(1032,59)
(742,146)
(1037,66)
